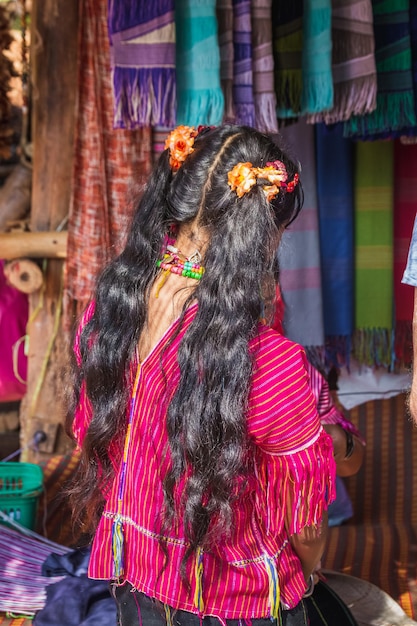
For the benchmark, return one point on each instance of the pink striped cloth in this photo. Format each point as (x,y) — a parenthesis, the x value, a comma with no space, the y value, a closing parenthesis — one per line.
(294,466)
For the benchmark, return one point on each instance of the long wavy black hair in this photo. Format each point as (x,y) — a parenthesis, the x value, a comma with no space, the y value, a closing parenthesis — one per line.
(206,416)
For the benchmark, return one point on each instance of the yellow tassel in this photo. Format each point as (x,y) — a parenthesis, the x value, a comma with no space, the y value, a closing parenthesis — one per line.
(168,615)
(117,540)
(161,282)
(274,590)
(198,598)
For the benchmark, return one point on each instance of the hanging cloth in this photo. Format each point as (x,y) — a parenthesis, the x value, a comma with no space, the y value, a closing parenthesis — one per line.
(287,25)
(263,67)
(335,204)
(317,94)
(395,108)
(106,161)
(299,254)
(243,97)
(199,93)
(405,207)
(142,38)
(373,198)
(353,61)
(224,12)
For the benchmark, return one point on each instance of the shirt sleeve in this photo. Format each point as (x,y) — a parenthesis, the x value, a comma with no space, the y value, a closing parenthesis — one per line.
(410,273)
(296,469)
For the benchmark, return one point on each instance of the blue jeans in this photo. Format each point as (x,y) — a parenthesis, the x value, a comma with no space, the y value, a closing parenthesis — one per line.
(136,609)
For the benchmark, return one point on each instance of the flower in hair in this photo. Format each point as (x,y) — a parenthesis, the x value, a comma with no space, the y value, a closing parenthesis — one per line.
(180,143)
(271,177)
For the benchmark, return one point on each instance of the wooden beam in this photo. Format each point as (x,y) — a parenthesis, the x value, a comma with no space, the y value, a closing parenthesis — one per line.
(39,245)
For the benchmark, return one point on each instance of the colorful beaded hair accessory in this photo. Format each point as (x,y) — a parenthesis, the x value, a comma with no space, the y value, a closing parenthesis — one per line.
(272,178)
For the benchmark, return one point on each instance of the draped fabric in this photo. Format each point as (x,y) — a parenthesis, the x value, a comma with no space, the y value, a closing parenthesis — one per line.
(299,254)
(374,170)
(287,24)
(106,165)
(395,108)
(244,103)
(142,37)
(224,12)
(199,95)
(353,61)
(405,208)
(317,94)
(335,203)
(263,67)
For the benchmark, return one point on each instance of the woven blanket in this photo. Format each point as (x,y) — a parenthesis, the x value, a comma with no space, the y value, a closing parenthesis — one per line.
(405,206)
(353,61)
(263,67)
(287,24)
(317,94)
(243,98)
(199,94)
(224,12)
(335,203)
(299,254)
(142,36)
(373,199)
(106,161)
(395,108)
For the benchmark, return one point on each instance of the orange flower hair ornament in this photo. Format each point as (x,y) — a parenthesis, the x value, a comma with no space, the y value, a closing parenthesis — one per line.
(244,176)
(180,143)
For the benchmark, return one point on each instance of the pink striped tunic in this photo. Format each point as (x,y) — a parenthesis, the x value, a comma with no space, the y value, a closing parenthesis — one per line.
(292,485)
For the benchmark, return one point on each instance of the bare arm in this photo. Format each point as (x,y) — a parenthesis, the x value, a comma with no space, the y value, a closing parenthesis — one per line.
(413,391)
(347,454)
(309,545)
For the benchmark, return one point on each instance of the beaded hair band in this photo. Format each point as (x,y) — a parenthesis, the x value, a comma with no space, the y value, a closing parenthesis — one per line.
(180,143)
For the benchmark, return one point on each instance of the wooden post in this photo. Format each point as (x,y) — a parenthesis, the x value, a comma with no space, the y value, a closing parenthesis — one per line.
(54,33)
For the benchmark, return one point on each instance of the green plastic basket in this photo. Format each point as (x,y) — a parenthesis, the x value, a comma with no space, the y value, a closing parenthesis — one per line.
(20,487)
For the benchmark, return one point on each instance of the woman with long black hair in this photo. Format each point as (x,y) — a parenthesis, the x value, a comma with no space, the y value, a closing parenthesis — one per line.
(205,472)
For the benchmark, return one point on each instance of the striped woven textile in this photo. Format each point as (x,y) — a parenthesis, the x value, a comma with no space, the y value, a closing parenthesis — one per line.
(224,13)
(263,67)
(379,544)
(244,104)
(108,165)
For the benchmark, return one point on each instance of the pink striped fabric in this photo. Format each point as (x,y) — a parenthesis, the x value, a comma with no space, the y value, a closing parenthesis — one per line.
(294,463)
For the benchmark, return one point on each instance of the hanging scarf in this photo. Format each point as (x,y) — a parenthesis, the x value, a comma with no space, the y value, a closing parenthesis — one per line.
(199,93)
(224,12)
(395,108)
(263,68)
(373,199)
(405,203)
(105,163)
(353,61)
(287,24)
(242,66)
(299,254)
(317,92)
(142,37)
(335,202)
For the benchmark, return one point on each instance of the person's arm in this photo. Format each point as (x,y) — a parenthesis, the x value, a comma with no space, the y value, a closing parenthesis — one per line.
(348,450)
(309,546)
(413,391)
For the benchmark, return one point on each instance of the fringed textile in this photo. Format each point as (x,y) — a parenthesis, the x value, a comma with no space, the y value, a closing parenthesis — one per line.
(353,61)
(243,96)
(299,254)
(142,37)
(287,24)
(373,199)
(405,207)
(159,135)
(263,67)
(199,93)
(335,206)
(106,161)
(395,108)
(224,12)
(317,94)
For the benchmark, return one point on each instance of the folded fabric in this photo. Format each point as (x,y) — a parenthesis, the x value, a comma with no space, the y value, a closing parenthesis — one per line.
(199,94)
(353,61)
(224,12)
(263,67)
(244,104)
(142,38)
